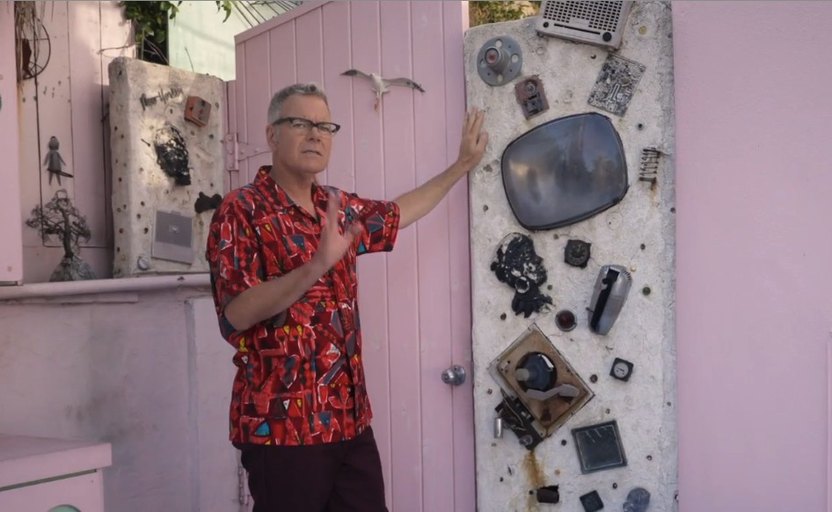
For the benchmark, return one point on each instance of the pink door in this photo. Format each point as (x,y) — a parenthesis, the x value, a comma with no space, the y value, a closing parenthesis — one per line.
(11,255)
(415,302)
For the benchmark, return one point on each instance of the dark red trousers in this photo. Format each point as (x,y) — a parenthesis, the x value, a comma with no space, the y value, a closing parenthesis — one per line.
(336,477)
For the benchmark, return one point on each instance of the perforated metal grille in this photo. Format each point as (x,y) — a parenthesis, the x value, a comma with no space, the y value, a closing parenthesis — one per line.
(601,16)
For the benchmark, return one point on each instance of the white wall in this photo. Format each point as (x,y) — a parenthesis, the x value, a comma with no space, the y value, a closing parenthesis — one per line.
(199,40)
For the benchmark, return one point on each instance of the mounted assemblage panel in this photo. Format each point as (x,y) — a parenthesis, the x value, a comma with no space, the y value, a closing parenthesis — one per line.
(167,161)
(540,389)
(560,238)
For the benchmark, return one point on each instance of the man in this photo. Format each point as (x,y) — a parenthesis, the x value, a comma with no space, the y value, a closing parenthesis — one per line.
(282,254)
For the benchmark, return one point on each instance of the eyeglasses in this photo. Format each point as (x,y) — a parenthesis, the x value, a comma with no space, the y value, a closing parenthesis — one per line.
(302,124)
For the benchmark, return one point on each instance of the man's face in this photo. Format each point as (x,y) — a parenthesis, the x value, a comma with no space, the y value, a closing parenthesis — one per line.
(301,152)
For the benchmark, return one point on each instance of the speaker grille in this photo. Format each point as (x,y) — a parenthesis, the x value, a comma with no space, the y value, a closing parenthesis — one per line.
(600,16)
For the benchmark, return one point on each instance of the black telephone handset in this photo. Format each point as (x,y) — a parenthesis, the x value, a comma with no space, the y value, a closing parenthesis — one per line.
(611,289)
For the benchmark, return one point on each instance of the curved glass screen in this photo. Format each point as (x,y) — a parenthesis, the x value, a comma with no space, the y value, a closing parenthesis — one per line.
(564,171)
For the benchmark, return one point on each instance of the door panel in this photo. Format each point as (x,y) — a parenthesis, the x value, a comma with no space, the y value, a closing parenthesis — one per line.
(415,302)
(73,43)
(11,254)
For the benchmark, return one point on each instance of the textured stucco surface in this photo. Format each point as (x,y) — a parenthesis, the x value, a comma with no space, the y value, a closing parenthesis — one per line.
(644,407)
(140,186)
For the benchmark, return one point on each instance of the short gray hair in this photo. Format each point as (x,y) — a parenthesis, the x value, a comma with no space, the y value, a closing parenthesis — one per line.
(276,105)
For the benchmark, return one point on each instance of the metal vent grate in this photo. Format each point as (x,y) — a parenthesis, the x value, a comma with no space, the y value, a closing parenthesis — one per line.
(599,16)
(600,23)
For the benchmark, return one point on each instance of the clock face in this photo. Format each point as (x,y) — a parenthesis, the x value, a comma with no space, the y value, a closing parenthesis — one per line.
(621,369)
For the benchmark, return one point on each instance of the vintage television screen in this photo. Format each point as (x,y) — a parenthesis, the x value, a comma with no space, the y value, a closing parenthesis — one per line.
(564,171)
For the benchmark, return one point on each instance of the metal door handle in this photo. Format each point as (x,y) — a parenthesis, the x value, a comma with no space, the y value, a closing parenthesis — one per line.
(454,376)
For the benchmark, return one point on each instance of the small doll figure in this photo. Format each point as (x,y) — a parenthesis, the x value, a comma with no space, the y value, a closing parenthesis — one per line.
(54,162)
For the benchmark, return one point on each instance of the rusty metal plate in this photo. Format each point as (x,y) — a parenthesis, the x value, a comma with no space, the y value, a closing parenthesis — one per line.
(531,96)
(549,414)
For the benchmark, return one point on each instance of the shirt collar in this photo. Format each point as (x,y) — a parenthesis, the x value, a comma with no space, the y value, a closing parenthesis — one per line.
(266,183)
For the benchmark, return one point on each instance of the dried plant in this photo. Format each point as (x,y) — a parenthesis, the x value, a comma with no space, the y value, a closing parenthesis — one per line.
(59,218)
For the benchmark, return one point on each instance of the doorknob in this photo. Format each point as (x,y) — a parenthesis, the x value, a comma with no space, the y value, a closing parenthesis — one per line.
(454,376)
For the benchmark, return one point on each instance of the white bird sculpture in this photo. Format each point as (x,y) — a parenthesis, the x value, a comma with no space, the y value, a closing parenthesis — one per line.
(381,84)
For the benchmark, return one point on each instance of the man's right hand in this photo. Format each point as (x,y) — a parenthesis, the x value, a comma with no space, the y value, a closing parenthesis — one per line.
(274,296)
(333,245)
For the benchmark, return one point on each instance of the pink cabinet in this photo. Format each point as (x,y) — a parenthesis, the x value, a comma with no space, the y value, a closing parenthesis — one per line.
(45,475)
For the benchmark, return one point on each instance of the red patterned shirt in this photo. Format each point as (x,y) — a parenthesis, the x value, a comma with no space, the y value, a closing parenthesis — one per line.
(299,379)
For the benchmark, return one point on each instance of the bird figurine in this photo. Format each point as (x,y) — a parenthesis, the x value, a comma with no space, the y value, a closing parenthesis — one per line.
(381,84)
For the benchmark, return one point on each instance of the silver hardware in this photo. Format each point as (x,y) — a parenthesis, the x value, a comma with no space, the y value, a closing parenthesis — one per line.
(600,23)
(498,427)
(454,376)
(142,263)
(499,60)
(611,288)
(173,237)
(564,390)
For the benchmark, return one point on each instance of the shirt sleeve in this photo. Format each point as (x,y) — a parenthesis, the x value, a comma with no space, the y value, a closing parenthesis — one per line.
(380,220)
(233,256)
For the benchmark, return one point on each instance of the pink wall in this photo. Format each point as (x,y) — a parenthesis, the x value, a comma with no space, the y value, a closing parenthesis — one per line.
(11,254)
(68,99)
(753,116)
(144,371)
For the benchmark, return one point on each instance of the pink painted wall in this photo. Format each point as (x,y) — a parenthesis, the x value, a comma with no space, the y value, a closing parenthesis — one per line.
(69,99)
(146,372)
(753,116)
(11,254)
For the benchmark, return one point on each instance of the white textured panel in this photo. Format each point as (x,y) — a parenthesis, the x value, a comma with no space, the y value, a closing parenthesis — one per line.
(147,101)
(637,233)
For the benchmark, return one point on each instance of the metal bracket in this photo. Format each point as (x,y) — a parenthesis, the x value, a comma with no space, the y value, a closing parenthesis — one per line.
(531,96)
(518,419)
(499,60)
(236,151)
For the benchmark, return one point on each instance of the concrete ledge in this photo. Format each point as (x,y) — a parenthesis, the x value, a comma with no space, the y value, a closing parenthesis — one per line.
(27,459)
(105,286)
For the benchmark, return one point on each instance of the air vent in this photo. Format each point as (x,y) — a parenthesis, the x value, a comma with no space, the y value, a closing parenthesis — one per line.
(599,23)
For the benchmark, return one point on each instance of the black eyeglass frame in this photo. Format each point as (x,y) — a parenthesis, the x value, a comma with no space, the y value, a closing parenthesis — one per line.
(320,126)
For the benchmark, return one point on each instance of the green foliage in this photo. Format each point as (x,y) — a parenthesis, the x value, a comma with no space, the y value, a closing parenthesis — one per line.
(225,5)
(150,25)
(480,13)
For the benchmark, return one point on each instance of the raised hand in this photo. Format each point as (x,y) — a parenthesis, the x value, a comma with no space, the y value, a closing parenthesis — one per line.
(333,244)
(474,139)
